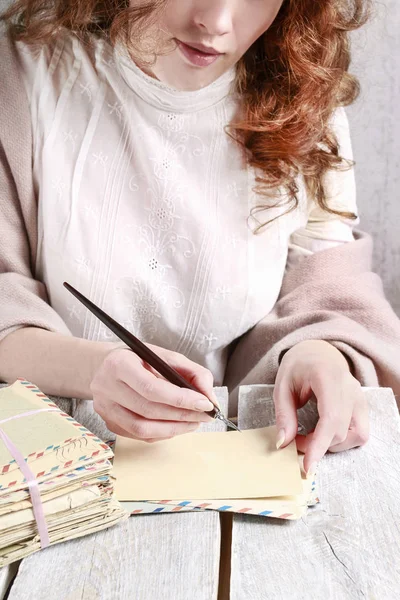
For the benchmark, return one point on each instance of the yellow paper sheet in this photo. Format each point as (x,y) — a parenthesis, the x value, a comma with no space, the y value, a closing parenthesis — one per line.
(207,465)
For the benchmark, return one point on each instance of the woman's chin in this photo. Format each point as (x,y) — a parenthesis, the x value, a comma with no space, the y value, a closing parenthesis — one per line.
(176,71)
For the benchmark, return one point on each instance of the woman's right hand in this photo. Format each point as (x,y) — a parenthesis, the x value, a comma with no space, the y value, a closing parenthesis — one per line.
(136,402)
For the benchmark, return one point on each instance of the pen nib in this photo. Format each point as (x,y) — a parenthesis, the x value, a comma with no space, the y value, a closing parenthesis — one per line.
(218,414)
(231,425)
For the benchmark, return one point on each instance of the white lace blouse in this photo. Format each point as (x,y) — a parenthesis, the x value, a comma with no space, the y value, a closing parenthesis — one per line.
(144,204)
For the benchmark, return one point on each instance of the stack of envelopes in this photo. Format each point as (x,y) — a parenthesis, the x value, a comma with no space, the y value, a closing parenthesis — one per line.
(70,468)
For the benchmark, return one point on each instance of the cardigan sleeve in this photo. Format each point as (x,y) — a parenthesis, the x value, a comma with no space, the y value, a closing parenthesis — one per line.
(23,299)
(331,295)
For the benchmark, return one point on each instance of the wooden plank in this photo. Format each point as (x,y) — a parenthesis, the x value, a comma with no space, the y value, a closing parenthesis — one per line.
(7,574)
(347,547)
(171,556)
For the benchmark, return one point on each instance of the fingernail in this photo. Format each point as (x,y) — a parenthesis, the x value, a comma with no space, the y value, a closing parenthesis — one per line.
(280,440)
(193,426)
(203,405)
(312,470)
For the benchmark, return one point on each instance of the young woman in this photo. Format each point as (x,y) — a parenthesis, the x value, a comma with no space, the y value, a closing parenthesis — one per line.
(178,162)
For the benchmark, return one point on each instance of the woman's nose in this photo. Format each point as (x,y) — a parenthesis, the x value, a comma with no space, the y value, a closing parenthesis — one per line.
(215,17)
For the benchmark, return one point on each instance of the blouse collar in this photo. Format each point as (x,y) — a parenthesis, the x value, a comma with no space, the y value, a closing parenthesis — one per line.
(162,96)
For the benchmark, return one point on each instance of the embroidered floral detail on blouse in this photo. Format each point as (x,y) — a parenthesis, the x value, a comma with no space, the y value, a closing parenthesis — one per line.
(158,245)
(160,217)
(143,310)
(117,109)
(234,189)
(70,136)
(166,165)
(221,293)
(150,247)
(161,207)
(154,249)
(86,90)
(208,340)
(106,334)
(160,238)
(232,240)
(171,121)
(100,158)
(174,144)
(83,264)
(74,312)
(133,187)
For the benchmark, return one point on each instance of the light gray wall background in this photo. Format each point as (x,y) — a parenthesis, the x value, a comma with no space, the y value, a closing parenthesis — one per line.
(375,126)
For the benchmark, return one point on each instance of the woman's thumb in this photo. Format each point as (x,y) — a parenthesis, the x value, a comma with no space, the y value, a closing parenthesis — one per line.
(286,414)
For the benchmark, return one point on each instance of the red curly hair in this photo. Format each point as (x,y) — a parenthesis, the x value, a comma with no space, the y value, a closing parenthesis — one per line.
(290,80)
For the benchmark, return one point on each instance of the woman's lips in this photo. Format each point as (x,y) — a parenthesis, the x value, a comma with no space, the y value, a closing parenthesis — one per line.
(197,57)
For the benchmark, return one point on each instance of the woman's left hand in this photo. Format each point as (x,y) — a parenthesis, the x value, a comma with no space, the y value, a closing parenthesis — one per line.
(317,369)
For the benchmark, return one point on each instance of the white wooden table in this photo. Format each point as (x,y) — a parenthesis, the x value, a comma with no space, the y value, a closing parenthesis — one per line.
(348,547)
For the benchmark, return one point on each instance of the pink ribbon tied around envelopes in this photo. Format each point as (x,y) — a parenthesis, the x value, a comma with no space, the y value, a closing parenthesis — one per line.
(33,485)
